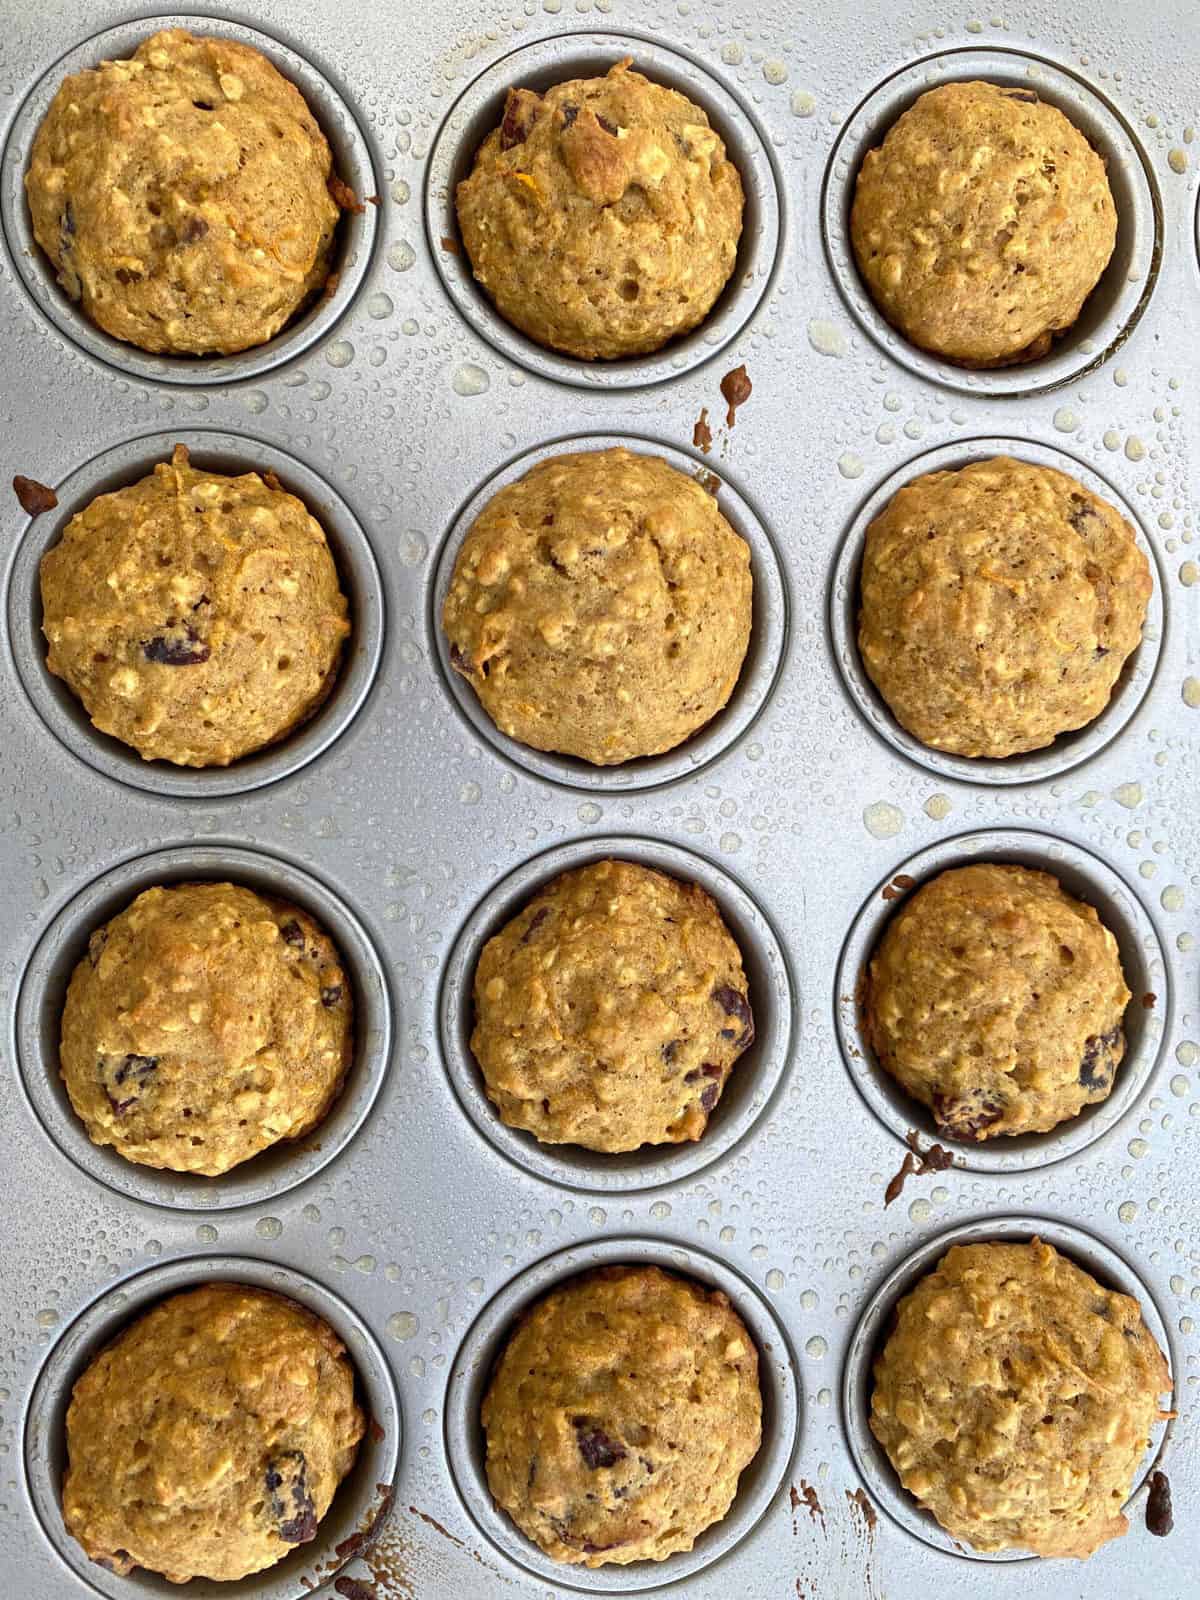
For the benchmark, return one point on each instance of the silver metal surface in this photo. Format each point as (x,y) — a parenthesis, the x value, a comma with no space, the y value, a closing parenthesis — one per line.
(411,828)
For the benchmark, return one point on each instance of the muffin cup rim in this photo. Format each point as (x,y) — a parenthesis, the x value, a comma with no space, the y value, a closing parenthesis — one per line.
(1070,749)
(746,1103)
(474,1361)
(882,104)
(103,1317)
(738,305)
(52,954)
(63,714)
(1107,1263)
(1004,1156)
(762,666)
(350,142)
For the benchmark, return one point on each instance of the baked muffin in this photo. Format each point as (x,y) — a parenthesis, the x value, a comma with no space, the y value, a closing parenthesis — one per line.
(205,1023)
(602,218)
(620,1416)
(183,196)
(611,1010)
(199,617)
(997,999)
(209,1438)
(600,606)
(1015,1397)
(982,223)
(1000,603)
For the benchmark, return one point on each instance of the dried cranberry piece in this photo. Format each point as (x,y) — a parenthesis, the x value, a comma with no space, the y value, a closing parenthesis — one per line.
(123,1083)
(670,1050)
(1159,1517)
(290,1503)
(965,1118)
(736,1005)
(569,112)
(535,922)
(708,1098)
(194,228)
(291,932)
(1095,1070)
(595,1446)
(1080,512)
(609,127)
(331,995)
(460,662)
(520,109)
(188,651)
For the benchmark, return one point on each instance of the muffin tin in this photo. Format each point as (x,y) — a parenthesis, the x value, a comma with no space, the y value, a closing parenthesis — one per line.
(412,1219)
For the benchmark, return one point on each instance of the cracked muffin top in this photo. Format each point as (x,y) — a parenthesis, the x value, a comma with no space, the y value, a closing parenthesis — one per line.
(620,1415)
(183,196)
(997,999)
(600,606)
(982,223)
(198,616)
(1016,1396)
(205,1023)
(611,1010)
(1000,603)
(603,217)
(209,1438)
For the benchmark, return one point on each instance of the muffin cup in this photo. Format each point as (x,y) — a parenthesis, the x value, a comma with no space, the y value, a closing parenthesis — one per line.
(1142,958)
(213,451)
(760,669)
(475,1361)
(1070,749)
(557,60)
(37,1019)
(362,1501)
(352,161)
(752,1084)
(874,1326)
(1111,311)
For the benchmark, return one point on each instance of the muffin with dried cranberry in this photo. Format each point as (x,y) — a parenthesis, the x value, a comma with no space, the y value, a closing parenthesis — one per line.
(602,217)
(611,1010)
(205,1023)
(208,1440)
(183,195)
(620,1416)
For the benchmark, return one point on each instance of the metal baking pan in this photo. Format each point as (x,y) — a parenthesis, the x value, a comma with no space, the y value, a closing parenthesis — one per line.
(413,1220)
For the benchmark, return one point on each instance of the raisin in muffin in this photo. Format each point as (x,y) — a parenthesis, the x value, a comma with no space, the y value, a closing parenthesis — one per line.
(205,1023)
(1000,603)
(209,1438)
(198,616)
(611,1010)
(600,606)
(1015,1397)
(982,223)
(603,217)
(621,1414)
(183,196)
(997,999)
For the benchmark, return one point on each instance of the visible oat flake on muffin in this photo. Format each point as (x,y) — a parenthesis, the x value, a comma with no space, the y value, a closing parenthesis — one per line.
(198,616)
(205,1023)
(209,1438)
(603,217)
(997,999)
(601,606)
(1015,1397)
(183,195)
(611,1010)
(620,1416)
(982,223)
(1000,603)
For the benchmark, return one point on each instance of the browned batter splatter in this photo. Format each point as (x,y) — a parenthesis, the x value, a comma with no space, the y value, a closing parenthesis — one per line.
(1148,1000)
(917,1162)
(1159,1517)
(352,1589)
(702,433)
(737,389)
(449,245)
(858,1500)
(709,481)
(436,1525)
(35,497)
(343,195)
(899,886)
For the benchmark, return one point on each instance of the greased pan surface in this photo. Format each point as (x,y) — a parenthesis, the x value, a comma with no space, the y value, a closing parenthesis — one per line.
(417,1224)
